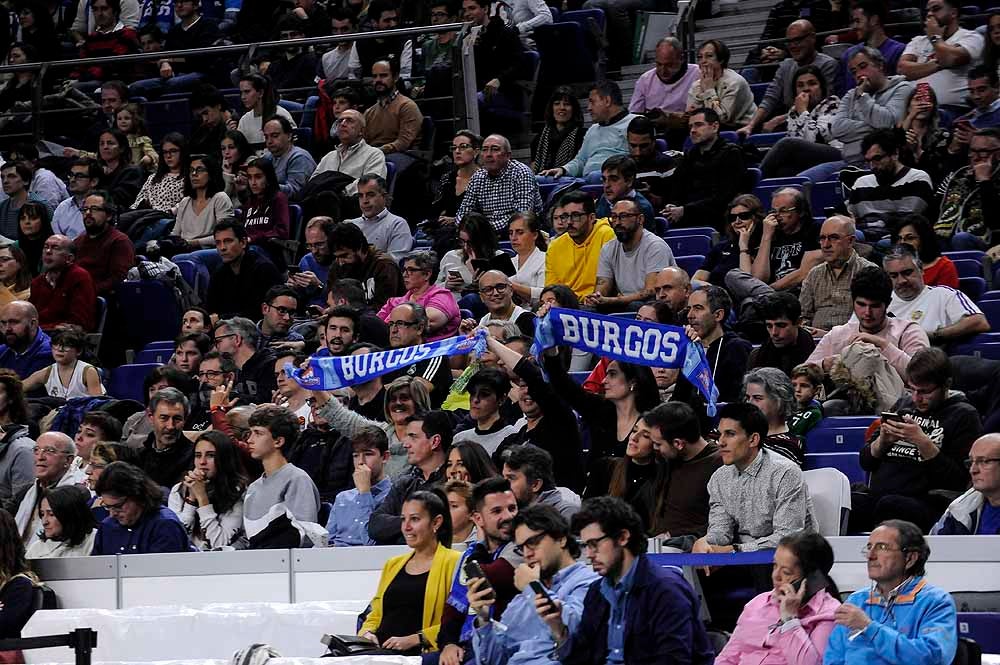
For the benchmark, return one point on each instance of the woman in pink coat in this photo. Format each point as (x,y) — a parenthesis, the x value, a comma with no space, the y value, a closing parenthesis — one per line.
(792,623)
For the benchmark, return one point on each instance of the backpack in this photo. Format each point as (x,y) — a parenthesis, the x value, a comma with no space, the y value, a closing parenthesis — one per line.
(167,272)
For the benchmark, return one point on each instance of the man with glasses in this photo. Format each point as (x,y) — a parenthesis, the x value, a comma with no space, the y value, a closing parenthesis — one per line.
(54,455)
(238,338)
(800,37)
(977,512)
(628,265)
(354,258)
(901,619)
(353,156)
(84,174)
(573,257)
(920,446)
(497,295)
(880,198)
(341,62)
(103,251)
(314,266)
(240,284)
(631,587)
(946,314)
(943,55)
(502,187)
(826,290)
(618,180)
(969,196)
(437,49)
(279,308)
(215,371)
(408,327)
(64,293)
(385,231)
(543,537)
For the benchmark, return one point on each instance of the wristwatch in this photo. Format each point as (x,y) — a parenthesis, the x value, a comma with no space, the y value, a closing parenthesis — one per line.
(933,39)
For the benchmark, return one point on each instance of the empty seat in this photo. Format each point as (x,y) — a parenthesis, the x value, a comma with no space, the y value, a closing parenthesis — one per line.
(840,422)
(689,245)
(758,90)
(126,381)
(830,491)
(706,231)
(983,627)
(690,264)
(968,267)
(826,195)
(766,139)
(847,463)
(151,312)
(836,440)
(974,287)
(158,356)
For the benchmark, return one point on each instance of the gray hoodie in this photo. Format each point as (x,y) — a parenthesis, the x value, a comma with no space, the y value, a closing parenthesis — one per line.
(17,463)
(859,115)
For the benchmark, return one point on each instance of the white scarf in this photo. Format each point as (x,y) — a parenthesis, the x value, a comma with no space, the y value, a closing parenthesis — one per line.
(27,510)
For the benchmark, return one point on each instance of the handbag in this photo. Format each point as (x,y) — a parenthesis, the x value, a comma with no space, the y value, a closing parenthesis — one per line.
(347,645)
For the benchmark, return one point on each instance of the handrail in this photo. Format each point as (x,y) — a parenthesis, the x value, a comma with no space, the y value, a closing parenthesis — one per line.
(82,641)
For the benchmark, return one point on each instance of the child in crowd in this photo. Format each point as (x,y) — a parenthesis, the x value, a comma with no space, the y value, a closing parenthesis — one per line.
(130,122)
(807,380)
(68,376)
(348,522)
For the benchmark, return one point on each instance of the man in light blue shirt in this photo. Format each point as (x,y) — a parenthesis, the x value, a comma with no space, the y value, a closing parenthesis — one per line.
(348,523)
(292,164)
(550,556)
(84,174)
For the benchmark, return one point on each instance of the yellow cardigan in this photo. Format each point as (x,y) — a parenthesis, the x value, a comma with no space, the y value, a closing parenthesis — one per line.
(438,586)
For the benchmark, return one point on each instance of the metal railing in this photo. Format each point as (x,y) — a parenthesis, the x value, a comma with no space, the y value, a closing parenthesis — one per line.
(466,112)
(82,641)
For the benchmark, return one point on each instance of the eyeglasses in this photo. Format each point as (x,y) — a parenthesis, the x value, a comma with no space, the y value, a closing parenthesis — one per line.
(982,152)
(116,507)
(461,146)
(87,209)
(403,324)
(49,450)
(62,347)
(981,462)
(171,151)
(622,216)
(210,373)
(783,211)
(283,311)
(499,289)
(410,271)
(879,547)
(218,338)
(567,216)
(78,176)
(745,215)
(198,170)
(796,41)
(530,543)
(592,544)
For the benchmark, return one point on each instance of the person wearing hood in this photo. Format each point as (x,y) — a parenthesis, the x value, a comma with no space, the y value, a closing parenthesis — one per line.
(977,512)
(878,102)
(920,446)
(54,455)
(16,462)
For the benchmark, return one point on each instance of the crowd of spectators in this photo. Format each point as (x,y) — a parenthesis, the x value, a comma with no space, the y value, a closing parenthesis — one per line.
(505,456)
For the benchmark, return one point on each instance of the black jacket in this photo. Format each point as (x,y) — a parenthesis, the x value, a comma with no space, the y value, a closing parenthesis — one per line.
(706,181)
(768,355)
(384,524)
(167,467)
(232,294)
(256,378)
(327,457)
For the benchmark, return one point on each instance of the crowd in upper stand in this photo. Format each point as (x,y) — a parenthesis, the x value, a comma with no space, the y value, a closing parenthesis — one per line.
(855,310)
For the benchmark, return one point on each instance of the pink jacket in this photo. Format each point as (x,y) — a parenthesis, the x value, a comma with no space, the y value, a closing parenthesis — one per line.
(798,642)
(436,297)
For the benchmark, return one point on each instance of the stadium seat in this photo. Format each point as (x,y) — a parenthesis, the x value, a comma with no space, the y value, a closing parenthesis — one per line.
(661,145)
(753,177)
(974,287)
(159,344)
(831,495)
(990,295)
(581,16)
(975,254)
(660,226)
(566,55)
(840,422)
(983,627)
(835,439)
(990,351)
(847,463)
(579,377)
(991,308)
(689,245)
(126,381)
(826,195)
(390,175)
(94,338)
(968,267)
(706,231)
(690,264)
(592,178)
(594,190)
(765,192)
(766,139)
(151,312)
(170,115)
(758,90)
(189,271)
(791,181)
(154,356)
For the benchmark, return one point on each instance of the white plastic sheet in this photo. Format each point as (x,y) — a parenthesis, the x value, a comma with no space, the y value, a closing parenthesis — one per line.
(215,631)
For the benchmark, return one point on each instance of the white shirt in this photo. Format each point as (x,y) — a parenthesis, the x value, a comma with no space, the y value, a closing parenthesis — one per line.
(338,64)
(531,273)
(358,160)
(250,125)
(950,84)
(935,307)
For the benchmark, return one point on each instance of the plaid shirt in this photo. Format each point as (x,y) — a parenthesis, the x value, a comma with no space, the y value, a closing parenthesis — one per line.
(826,297)
(512,190)
(388,99)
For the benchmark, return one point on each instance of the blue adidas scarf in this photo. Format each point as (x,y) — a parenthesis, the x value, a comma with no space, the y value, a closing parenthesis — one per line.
(628,341)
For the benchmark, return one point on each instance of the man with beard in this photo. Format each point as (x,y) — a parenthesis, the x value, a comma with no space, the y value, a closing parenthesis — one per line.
(167,454)
(292,66)
(354,258)
(314,267)
(348,292)
(279,308)
(216,370)
(64,292)
(494,510)
(27,348)
(393,122)
(237,337)
(708,308)
(103,251)
(628,266)
(338,326)
(528,469)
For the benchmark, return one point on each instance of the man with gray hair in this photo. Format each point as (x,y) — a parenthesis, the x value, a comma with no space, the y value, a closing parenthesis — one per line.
(826,290)
(237,337)
(64,292)
(502,187)
(385,231)
(54,453)
(946,314)
(353,157)
(167,454)
(408,327)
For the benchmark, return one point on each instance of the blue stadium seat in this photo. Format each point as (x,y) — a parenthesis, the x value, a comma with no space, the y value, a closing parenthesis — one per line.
(303,138)
(390,175)
(689,245)
(790,181)
(835,440)
(160,344)
(825,195)
(983,627)
(154,356)
(660,226)
(968,348)
(974,287)
(753,177)
(840,422)
(661,145)
(690,264)
(706,231)
(592,178)
(991,308)
(968,268)
(847,463)
(765,192)
(126,381)
(580,17)
(974,254)
(990,295)
(989,351)
(309,111)
(151,312)
(593,190)
(170,115)
(296,227)
(579,377)
(189,271)
(766,139)
(758,90)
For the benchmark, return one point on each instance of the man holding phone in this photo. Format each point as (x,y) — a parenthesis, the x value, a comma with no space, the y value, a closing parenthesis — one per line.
(984,93)
(555,581)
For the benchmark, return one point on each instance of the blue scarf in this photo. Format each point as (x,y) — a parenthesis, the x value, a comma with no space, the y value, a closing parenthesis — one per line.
(333,372)
(628,341)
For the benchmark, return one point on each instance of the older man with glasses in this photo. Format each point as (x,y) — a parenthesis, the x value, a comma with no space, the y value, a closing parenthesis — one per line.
(238,338)
(977,511)
(408,327)
(502,187)
(54,454)
(901,619)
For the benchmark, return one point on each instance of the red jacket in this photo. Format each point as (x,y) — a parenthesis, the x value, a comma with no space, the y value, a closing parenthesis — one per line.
(71,300)
(101,44)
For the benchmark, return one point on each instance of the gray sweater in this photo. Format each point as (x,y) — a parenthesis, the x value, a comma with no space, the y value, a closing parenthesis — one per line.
(290,486)
(859,115)
(780,94)
(17,464)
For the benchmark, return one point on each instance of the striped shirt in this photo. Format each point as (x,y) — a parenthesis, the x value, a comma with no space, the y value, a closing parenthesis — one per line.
(935,307)
(874,204)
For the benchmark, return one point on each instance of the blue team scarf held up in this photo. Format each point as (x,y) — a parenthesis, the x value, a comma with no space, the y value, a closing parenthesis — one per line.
(629,341)
(334,372)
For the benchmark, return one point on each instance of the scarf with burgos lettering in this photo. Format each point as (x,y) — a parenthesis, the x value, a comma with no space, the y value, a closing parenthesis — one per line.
(630,341)
(333,372)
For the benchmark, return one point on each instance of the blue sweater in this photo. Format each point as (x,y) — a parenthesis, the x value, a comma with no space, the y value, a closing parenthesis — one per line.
(920,629)
(154,533)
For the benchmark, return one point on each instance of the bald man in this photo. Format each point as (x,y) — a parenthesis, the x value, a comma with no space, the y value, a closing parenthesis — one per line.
(54,455)
(64,292)
(826,291)
(673,286)
(502,187)
(353,157)
(977,512)
(494,289)
(26,347)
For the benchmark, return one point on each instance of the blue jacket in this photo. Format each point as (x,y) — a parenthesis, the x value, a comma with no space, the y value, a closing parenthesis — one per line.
(521,637)
(920,629)
(158,532)
(37,356)
(962,517)
(662,622)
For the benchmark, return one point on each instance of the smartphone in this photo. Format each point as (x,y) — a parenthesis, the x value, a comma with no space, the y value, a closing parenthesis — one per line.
(474,570)
(480,265)
(540,589)
(923,91)
(292,270)
(455,274)
(815,582)
(889,415)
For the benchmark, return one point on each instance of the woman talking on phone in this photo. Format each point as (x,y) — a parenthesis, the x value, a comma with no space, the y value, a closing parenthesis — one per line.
(792,623)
